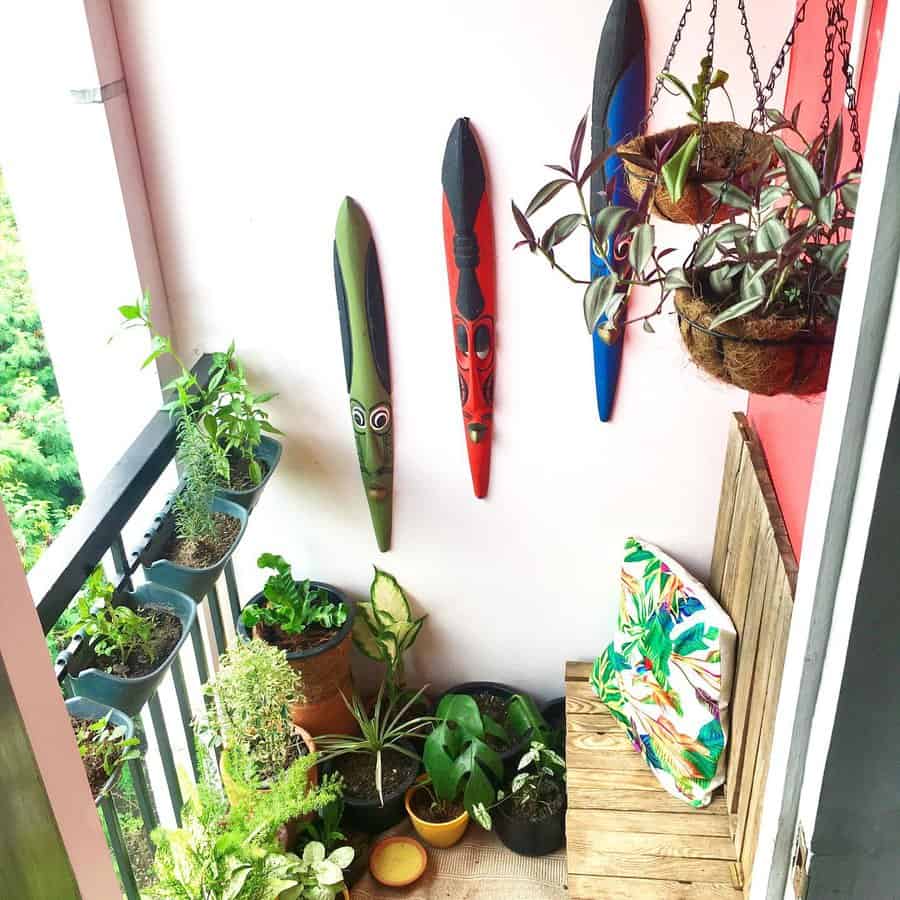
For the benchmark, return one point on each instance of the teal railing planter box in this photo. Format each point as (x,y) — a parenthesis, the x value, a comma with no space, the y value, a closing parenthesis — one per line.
(82,708)
(268,452)
(130,694)
(196,583)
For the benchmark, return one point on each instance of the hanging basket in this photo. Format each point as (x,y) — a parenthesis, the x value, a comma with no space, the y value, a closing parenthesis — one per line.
(765,356)
(725,141)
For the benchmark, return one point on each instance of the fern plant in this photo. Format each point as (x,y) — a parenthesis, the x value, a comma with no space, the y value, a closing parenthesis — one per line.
(293,606)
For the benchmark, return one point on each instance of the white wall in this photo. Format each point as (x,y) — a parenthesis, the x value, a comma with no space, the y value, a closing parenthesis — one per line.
(253,123)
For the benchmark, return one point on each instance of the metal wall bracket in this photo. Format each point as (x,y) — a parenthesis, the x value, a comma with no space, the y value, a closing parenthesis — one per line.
(99,94)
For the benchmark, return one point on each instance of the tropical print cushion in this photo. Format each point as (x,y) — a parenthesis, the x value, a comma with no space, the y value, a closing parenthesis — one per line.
(667,674)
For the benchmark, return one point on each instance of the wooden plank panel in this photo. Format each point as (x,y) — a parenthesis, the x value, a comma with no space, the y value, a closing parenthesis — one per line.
(598,723)
(579,828)
(765,566)
(584,706)
(616,798)
(587,860)
(605,761)
(746,487)
(581,690)
(751,830)
(683,823)
(597,778)
(733,453)
(588,887)
(578,670)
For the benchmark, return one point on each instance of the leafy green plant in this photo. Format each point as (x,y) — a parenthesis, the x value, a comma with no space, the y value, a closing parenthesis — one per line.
(106,743)
(326,827)
(250,713)
(293,606)
(219,854)
(384,629)
(525,719)
(677,162)
(538,765)
(230,414)
(458,761)
(112,630)
(787,259)
(386,728)
(203,466)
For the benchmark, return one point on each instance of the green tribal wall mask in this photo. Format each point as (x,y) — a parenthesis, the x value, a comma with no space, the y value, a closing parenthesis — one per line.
(364,337)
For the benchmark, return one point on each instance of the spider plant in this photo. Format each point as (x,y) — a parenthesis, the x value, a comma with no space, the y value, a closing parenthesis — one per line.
(386,728)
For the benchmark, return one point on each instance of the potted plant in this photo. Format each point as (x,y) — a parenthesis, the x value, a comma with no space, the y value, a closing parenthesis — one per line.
(756,300)
(378,766)
(230,415)
(124,643)
(105,739)
(672,166)
(311,622)
(222,854)
(462,770)
(530,817)
(510,717)
(327,829)
(249,718)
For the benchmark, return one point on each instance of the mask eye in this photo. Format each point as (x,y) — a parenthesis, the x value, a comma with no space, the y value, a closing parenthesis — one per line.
(359,417)
(482,342)
(380,419)
(462,340)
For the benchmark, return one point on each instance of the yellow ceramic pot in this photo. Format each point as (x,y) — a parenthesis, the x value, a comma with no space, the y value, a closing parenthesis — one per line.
(438,834)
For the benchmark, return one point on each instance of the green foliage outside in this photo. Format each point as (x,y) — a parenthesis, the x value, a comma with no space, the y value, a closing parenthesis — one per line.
(39,481)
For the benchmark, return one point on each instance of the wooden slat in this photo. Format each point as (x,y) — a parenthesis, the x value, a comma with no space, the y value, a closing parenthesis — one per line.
(588,887)
(612,751)
(597,778)
(683,823)
(578,671)
(584,859)
(580,827)
(617,798)
(596,723)
(733,454)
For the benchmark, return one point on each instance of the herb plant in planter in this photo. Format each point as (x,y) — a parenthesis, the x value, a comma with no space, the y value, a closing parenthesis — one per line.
(312,623)
(757,300)
(530,817)
(228,413)
(379,766)
(462,769)
(105,739)
(125,643)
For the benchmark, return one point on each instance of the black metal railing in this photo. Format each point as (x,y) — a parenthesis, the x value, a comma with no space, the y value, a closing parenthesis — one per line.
(92,536)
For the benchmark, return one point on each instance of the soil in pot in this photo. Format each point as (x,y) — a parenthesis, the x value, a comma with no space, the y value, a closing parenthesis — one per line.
(202,554)
(165,634)
(422,805)
(536,809)
(493,706)
(294,643)
(358,770)
(91,755)
(239,478)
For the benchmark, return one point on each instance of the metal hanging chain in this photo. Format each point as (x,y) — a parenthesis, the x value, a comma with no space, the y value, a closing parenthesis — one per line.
(828,71)
(849,86)
(754,68)
(670,57)
(703,146)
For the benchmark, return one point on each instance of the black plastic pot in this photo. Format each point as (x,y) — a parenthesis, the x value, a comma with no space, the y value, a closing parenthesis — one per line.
(531,838)
(268,452)
(554,711)
(370,816)
(512,755)
(130,694)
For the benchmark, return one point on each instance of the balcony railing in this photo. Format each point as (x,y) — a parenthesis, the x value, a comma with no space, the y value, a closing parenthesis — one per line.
(94,535)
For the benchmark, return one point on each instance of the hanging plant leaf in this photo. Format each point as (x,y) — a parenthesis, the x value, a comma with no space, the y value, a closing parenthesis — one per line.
(561,229)
(772,235)
(741,308)
(801,175)
(707,246)
(595,298)
(578,144)
(770,195)
(720,281)
(545,195)
(825,208)
(731,194)
(833,152)
(524,227)
(594,165)
(850,195)
(638,160)
(641,248)
(648,327)
(675,171)
(675,279)
(834,256)
(607,221)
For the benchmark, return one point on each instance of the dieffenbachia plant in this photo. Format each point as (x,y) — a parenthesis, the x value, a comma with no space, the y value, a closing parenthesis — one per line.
(787,255)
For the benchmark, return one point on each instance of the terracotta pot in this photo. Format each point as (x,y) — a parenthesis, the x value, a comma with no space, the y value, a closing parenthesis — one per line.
(696,202)
(236,792)
(762,355)
(438,834)
(324,674)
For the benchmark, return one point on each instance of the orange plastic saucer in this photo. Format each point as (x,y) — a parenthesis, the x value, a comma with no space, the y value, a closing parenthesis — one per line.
(397,861)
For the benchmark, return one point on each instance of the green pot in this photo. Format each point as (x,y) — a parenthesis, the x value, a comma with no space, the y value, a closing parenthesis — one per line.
(268,452)
(130,694)
(82,708)
(196,583)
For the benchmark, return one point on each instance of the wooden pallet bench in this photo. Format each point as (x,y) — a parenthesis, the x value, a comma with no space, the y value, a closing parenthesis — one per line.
(626,836)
